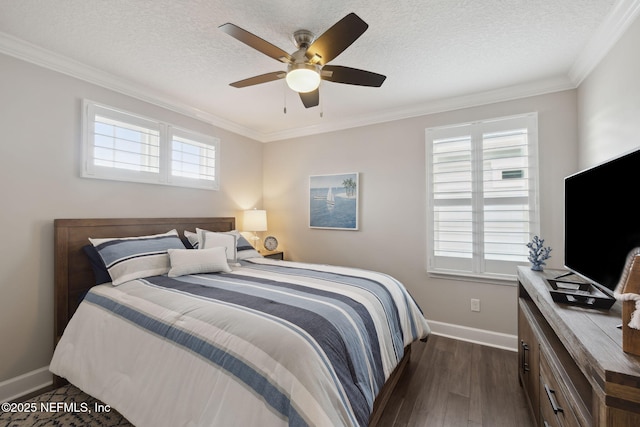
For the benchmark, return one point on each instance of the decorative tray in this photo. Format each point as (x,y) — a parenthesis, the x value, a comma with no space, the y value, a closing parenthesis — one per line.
(577,291)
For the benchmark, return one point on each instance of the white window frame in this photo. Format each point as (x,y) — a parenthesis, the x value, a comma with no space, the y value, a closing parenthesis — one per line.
(166,133)
(477,267)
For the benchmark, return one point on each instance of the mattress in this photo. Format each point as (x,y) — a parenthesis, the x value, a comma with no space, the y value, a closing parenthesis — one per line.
(271,343)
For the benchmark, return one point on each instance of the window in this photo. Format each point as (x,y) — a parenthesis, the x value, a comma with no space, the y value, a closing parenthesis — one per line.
(482,196)
(122,146)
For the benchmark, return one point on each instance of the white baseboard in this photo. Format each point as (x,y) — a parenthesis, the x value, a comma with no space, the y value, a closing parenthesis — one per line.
(478,336)
(14,388)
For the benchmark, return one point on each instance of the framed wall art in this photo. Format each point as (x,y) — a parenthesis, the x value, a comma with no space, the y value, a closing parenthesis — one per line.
(333,201)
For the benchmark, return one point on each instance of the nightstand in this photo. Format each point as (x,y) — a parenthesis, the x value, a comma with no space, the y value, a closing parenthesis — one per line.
(273,254)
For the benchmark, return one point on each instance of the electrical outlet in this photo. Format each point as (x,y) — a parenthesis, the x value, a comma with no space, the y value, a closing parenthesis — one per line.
(475,304)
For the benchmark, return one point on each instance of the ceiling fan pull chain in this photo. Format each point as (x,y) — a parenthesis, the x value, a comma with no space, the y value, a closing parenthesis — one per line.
(284,93)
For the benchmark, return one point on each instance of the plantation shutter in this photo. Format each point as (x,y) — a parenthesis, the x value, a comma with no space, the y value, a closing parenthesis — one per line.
(481,185)
(193,157)
(123,146)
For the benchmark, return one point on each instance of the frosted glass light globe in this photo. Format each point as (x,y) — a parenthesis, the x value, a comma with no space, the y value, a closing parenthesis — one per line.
(303,79)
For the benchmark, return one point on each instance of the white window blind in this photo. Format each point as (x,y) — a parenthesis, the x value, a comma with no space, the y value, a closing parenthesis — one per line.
(122,146)
(482,196)
(192,159)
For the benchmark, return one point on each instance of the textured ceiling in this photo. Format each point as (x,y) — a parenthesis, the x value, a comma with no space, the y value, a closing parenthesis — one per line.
(432,52)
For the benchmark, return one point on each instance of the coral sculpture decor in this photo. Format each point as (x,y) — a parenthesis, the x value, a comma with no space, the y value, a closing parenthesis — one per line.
(538,253)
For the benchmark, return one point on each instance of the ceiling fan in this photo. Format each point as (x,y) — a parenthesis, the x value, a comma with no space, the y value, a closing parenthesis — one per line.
(308,65)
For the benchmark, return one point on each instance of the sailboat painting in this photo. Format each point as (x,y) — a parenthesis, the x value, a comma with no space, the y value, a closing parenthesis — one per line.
(333,201)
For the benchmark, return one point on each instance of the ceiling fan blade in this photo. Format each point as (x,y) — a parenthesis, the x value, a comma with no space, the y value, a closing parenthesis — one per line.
(310,99)
(336,39)
(263,78)
(256,42)
(352,76)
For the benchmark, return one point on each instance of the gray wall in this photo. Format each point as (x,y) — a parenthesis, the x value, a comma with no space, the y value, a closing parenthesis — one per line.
(39,163)
(391,160)
(609,103)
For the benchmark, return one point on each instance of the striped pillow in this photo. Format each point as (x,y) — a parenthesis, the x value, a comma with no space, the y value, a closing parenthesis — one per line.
(243,244)
(192,238)
(137,257)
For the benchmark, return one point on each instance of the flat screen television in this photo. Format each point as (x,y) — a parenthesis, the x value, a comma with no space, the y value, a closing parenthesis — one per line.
(602,220)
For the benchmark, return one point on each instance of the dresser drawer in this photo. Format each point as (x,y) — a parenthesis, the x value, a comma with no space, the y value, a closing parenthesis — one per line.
(555,410)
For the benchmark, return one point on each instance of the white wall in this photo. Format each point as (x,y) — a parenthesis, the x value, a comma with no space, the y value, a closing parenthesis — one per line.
(609,103)
(390,158)
(39,163)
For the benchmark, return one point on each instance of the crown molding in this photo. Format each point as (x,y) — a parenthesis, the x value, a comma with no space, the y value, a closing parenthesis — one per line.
(509,93)
(28,52)
(624,13)
(616,23)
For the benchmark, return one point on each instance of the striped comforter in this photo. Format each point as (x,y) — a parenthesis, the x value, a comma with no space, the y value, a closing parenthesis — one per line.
(272,343)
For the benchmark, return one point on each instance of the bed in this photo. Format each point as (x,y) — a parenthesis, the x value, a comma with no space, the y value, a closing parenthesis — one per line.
(260,342)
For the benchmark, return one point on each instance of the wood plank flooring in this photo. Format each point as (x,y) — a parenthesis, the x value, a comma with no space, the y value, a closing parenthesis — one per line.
(448,383)
(454,383)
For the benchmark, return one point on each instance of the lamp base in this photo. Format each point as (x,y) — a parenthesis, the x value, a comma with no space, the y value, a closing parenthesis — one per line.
(255,239)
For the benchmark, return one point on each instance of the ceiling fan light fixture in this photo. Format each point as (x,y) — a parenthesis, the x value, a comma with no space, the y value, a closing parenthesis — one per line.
(303,78)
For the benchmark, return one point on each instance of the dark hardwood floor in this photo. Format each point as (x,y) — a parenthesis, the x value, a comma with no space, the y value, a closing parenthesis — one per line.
(455,383)
(448,383)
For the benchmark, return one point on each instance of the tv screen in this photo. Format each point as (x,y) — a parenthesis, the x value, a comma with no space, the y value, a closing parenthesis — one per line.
(602,219)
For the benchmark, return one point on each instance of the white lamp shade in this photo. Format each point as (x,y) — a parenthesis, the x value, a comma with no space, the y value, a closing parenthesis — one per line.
(255,220)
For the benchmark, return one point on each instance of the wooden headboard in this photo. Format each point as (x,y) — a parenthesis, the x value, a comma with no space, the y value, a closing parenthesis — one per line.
(73,273)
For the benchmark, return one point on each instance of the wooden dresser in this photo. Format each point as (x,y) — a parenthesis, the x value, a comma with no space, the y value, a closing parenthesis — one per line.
(571,363)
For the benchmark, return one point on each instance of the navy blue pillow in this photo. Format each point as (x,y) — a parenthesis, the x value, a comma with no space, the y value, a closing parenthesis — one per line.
(100,271)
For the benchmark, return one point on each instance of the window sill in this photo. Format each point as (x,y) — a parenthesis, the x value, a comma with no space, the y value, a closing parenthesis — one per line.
(494,279)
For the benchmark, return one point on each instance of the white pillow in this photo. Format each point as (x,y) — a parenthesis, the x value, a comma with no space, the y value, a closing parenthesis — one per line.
(242,244)
(197,240)
(188,261)
(226,240)
(200,235)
